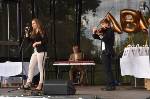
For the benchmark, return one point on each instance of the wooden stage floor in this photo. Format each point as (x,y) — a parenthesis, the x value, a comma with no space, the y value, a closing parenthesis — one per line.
(83,92)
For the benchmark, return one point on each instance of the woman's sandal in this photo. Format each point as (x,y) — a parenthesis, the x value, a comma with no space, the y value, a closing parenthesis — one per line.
(39,87)
(27,86)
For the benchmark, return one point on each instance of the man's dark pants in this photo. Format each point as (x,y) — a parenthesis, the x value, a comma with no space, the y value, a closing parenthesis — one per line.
(107,63)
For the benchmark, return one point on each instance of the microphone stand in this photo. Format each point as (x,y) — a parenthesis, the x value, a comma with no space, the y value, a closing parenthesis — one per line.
(21,53)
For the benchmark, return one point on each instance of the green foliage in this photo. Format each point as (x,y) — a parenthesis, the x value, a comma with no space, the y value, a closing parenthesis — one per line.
(133,38)
(90,5)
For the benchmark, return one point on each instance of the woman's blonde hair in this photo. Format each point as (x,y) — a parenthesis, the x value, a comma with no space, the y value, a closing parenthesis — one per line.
(39,26)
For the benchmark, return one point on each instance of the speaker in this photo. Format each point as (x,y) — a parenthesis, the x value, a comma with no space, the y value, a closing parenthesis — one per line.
(58,87)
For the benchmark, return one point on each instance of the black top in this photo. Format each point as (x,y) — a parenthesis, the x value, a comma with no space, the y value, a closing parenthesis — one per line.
(39,37)
(108,38)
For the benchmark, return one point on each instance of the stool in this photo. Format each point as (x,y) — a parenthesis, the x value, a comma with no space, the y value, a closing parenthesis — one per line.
(77,76)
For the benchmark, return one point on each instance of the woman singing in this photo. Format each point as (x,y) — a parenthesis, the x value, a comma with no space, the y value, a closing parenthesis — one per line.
(39,43)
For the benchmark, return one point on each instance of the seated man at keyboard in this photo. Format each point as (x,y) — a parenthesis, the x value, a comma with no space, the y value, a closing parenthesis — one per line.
(77,55)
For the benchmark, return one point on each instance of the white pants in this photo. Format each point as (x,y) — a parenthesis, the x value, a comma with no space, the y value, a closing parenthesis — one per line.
(37,59)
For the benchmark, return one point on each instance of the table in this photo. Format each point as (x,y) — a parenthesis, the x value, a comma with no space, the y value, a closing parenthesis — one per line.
(9,69)
(71,63)
(135,62)
(15,68)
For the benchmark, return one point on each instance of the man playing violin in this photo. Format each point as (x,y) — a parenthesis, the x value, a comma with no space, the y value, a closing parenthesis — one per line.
(106,34)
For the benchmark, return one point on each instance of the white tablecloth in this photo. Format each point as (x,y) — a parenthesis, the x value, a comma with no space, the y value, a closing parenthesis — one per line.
(135,62)
(15,68)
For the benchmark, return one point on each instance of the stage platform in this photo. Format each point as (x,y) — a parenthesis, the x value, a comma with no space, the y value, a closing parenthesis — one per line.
(83,92)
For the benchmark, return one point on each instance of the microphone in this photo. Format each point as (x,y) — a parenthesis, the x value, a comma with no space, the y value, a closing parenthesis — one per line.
(27,30)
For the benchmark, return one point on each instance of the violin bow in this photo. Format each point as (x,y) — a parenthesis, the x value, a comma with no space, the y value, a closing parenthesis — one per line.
(106,14)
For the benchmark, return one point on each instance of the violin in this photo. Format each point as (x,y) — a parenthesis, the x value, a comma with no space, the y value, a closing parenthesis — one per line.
(99,31)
